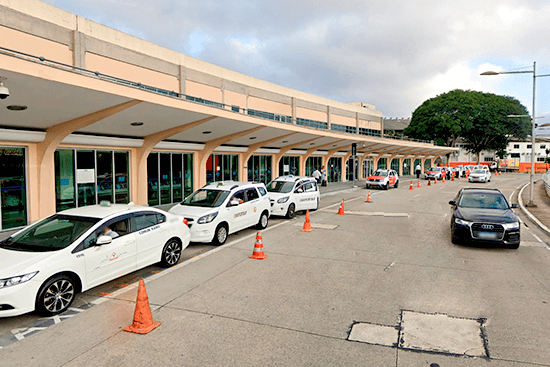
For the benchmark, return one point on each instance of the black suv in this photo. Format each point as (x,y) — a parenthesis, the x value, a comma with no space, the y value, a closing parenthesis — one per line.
(484,215)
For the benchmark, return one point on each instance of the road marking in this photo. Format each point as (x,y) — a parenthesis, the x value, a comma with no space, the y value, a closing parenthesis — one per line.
(318,225)
(536,237)
(389,266)
(376,214)
(416,195)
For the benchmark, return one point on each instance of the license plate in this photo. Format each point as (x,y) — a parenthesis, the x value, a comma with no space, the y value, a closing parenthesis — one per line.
(487,235)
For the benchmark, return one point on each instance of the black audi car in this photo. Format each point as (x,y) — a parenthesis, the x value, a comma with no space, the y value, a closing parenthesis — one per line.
(484,215)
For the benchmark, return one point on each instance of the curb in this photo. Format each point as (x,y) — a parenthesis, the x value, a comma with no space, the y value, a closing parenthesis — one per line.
(528,213)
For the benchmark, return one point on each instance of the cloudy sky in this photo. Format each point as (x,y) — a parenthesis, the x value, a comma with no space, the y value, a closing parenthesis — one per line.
(392,53)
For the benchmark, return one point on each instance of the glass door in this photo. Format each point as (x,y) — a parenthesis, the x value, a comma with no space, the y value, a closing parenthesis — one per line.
(85,177)
(13,189)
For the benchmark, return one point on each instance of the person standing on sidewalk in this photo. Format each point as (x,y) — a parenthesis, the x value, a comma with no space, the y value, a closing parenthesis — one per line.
(316,175)
(323,176)
(418,170)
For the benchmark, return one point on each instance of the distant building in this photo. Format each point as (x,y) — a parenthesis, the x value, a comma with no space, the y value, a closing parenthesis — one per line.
(397,125)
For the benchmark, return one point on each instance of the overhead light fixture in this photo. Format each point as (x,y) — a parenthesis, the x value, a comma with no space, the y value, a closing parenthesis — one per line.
(252,137)
(15,107)
(137,123)
(4,91)
(311,143)
(334,145)
(285,141)
(207,132)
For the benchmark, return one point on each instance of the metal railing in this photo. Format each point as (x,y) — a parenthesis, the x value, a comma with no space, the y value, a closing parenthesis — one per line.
(311,124)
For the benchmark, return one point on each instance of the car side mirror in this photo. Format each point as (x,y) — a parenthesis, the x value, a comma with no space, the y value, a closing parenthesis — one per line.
(103,240)
(234,203)
(515,206)
(452,202)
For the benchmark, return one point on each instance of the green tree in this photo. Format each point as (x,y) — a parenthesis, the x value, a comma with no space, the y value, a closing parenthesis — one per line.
(476,117)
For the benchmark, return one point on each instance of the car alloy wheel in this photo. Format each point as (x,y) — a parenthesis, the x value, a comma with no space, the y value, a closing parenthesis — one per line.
(264,220)
(221,234)
(291,211)
(171,253)
(56,296)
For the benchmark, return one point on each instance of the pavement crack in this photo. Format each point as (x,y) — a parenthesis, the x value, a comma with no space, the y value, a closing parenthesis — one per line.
(389,266)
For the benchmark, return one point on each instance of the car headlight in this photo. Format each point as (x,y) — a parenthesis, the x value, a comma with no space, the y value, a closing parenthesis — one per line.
(283,200)
(207,218)
(462,222)
(8,282)
(514,225)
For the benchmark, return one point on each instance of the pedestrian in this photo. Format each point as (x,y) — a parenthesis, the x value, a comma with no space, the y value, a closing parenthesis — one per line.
(323,176)
(316,175)
(418,170)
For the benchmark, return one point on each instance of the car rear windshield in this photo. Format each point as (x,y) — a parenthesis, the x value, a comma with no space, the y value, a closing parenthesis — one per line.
(206,198)
(280,186)
(482,171)
(380,173)
(52,234)
(483,201)
(436,169)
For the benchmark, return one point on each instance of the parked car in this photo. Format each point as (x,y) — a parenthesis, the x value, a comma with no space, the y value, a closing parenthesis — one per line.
(289,194)
(383,178)
(480,175)
(484,215)
(45,265)
(221,208)
(435,173)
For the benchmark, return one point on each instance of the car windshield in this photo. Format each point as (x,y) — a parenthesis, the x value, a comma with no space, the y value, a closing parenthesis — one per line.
(481,171)
(483,201)
(381,173)
(436,169)
(280,186)
(51,234)
(206,198)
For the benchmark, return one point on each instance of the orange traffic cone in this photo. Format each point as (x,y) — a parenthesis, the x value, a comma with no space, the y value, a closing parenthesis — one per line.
(443,179)
(368,198)
(307,224)
(143,318)
(453,177)
(429,182)
(258,253)
(341,210)
(435,180)
(418,186)
(411,186)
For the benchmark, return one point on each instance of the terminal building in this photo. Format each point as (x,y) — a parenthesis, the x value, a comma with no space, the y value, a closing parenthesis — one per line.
(96,114)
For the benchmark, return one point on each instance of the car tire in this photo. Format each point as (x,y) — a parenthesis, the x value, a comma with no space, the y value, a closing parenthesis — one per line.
(387,186)
(220,236)
(56,295)
(264,221)
(396,184)
(291,211)
(454,239)
(171,253)
(317,206)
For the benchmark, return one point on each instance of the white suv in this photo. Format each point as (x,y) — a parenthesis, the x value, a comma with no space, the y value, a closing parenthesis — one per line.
(290,194)
(221,208)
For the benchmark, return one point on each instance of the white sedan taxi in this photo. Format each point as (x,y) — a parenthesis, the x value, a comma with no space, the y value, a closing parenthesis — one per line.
(289,194)
(44,266)
(480,175)
(221,208)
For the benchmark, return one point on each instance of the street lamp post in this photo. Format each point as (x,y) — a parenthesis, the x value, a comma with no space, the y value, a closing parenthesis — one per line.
(535,76)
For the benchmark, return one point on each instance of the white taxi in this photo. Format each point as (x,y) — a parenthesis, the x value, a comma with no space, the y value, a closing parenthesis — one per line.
(221,208)
(44,266)
(289,194)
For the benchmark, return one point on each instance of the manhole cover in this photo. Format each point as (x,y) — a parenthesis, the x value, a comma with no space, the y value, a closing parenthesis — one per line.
(374,334)
(442,334)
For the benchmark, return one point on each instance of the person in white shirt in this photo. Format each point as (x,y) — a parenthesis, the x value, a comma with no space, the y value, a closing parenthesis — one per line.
(418,170)
(316,175)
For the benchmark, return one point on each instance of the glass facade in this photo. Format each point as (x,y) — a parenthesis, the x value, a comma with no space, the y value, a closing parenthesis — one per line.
(416,162)
(382,163)
(289,165)
(334,169)
(313,163)
(349,171)
(222,167)
(86,177)
(368,167)
(259,168)
(407,169)
(169,177)
(427,164)
(394,164)
(13,188)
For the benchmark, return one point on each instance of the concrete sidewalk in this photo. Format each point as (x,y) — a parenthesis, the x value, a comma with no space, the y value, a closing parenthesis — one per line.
(542,210)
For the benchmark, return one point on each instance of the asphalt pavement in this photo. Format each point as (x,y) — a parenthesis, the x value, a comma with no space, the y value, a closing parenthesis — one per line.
(383,287)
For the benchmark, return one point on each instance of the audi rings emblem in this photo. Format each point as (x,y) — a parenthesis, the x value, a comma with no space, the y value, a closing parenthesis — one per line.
(487,226)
